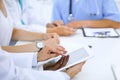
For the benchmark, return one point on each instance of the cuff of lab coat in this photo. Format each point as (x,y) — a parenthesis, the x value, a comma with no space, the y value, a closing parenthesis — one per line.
(23,60)
(66,76)
(34,61)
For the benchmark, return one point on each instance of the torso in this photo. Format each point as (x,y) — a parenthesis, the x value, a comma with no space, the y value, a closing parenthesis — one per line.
(6,27)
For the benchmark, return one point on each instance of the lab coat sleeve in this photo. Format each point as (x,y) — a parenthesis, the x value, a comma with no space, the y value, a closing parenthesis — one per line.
(33,28)
(9,71)
(56,14)
(110,10)
(24,60)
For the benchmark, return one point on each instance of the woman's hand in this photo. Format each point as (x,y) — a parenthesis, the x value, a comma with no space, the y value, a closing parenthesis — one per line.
(55,24)
(50,35)
(54,47)
(72,71)
(62,30)
(51,49)
(59,64)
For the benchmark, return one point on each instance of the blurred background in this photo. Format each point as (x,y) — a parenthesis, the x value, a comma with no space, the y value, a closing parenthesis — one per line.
(44,8)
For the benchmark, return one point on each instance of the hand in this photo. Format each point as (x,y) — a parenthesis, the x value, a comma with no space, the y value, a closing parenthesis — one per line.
(55,24)
(64,31)
(74,24)
(54,66)
(58,23)
(45,54)
(50,35)
(54,46)
(72,71)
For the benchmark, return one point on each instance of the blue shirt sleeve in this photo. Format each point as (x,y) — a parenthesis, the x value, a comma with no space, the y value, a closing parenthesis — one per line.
(110,10)
(56,15)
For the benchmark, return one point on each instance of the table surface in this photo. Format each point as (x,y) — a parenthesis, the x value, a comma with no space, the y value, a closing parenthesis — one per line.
(106,52)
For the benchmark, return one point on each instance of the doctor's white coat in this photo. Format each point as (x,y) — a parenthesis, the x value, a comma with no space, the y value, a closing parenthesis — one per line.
(26,15)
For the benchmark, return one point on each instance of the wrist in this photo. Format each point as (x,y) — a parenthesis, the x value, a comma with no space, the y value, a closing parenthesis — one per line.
(50,30)
(39,57)
(70,73)
(33,46)
(39,45)
(43,36)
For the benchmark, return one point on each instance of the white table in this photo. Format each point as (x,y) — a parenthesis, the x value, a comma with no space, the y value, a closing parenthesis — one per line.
(106,51)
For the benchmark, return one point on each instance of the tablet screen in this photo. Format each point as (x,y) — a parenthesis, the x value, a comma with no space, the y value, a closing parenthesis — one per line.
(77,56)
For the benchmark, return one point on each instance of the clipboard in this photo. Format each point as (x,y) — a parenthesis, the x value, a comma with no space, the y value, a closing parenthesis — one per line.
(100,32)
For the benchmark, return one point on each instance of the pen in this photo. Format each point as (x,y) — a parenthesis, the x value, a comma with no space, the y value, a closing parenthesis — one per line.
(90,46)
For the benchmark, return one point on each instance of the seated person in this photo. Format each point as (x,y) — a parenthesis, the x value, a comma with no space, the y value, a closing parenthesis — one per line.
(24,16)
(7,32)
(98,13)
(9,71)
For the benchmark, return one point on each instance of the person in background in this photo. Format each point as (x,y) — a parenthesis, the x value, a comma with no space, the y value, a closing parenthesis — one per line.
(86,13)
(24,16)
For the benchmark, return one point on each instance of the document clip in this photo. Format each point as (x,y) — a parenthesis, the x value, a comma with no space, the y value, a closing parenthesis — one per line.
(103,34)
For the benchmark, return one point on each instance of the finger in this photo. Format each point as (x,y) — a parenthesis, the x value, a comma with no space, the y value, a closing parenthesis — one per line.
(82,63)
(61,60)
(69,28)
(57,52)
(61,49)
(58,64)
(51,25)
(58,23)
(62,53)
(67,33)
(65,61)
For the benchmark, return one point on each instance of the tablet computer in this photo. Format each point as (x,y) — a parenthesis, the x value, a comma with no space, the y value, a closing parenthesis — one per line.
(77,56)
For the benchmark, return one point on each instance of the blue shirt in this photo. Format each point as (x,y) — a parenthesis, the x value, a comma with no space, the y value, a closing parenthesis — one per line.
(83,10)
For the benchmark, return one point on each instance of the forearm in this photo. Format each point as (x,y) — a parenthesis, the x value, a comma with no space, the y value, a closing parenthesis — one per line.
(100,23)
(22,48)
(26,35)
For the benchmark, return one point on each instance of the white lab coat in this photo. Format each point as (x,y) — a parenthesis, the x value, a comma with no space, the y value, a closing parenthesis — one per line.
(23,60)
(6,28)
(26,15)
(9,71)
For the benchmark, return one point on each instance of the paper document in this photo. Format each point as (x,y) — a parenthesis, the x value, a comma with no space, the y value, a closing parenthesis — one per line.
(116,71)
(100,32)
